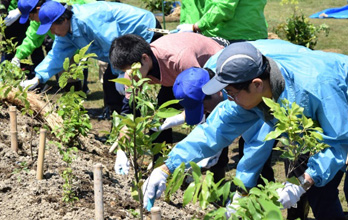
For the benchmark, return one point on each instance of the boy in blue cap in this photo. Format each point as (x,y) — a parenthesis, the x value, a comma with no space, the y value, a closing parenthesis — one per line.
(310,79)
(30,10)
(77,26)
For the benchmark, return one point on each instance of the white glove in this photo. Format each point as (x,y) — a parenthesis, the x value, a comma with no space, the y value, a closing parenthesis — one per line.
(16,61)
(31,83)
(172,122)
(185,28)
(210,161)
(12,16)
(290,195)
(154,185)
(232,208)
(121,163)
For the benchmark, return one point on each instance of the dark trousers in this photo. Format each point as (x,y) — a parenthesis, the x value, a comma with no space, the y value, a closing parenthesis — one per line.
(219,169)
(345,187)
(303,205)
(165,94)
(324,200)
(112,98)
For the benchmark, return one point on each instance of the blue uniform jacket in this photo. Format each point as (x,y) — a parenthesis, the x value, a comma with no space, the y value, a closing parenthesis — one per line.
(100,22)
(315,80)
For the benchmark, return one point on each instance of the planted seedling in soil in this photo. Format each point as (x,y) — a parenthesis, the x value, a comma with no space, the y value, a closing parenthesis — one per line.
(134,132)
(75,119)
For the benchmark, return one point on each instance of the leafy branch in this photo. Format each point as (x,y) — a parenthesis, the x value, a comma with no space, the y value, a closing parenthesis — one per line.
(299,134)
(134,132)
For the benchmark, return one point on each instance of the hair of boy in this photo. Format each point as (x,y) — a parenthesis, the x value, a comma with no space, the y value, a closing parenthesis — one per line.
(66,15)
(128,49)
(40,2)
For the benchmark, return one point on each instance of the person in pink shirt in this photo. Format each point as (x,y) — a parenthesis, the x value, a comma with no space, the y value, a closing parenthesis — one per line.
(162,61)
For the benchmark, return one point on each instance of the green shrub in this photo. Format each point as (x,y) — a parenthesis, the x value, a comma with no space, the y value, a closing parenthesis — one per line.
(156,5)
(298,30)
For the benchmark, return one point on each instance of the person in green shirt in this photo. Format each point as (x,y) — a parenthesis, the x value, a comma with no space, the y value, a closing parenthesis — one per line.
(233,20)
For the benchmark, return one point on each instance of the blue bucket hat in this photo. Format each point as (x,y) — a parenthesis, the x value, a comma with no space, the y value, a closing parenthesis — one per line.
(25,7)
(188,87)
(237,63)
(49,12)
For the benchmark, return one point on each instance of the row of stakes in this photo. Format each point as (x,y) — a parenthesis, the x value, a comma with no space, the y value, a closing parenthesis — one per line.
(97,169)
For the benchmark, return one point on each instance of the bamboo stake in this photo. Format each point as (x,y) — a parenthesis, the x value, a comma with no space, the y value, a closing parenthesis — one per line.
(155,213)
(14,133)
(40,161)
(98,191)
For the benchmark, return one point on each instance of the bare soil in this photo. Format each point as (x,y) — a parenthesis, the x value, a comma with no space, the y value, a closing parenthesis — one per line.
(22,196)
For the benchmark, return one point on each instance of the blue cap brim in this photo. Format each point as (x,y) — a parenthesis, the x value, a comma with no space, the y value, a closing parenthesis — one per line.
(213,86)
(24,18)
(43,29)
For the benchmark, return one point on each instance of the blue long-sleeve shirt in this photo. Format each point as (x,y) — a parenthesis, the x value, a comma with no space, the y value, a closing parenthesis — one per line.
(315,80)
(100,22)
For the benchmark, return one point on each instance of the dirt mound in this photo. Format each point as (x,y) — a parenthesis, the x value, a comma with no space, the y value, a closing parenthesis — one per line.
(24,197)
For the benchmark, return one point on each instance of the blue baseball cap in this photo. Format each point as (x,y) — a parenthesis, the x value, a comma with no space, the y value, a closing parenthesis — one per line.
(237,63)
(25,7)
(188,87)
(49,12)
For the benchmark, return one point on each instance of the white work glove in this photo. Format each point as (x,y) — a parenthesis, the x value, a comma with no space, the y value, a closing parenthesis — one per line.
(290,195)
(121,163)
(31,83)
(232,208)
(154,185)
(171,122)
(210,161)
(16,61)
(185,28)
(12,16)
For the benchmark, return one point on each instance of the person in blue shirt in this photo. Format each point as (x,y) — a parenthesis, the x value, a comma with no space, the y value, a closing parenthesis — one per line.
(78,25)
(315,80)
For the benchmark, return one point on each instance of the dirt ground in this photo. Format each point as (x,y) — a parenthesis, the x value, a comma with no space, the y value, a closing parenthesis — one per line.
(22,196)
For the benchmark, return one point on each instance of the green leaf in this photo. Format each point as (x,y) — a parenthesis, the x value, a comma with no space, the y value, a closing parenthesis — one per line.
(123,81)
(293,180)
(76,58)
(273,134)
(189,192)
(166,113)
(66,64)
(168,103)
(195,169)
(136,66)
(239,183)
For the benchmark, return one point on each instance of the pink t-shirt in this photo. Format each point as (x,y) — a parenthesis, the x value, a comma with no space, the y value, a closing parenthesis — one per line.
(177,52)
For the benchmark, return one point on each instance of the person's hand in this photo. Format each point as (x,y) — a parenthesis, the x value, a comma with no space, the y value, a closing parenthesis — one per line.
(231,208)
(12,16)
(16,61)
(30,83)
(290,195)
(121,163)
(171,122)
(185,28)
(154,185)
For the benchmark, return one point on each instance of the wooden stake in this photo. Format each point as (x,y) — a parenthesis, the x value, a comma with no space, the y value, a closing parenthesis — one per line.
(14,133)
(40,161)
(155,213)
(98,191)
